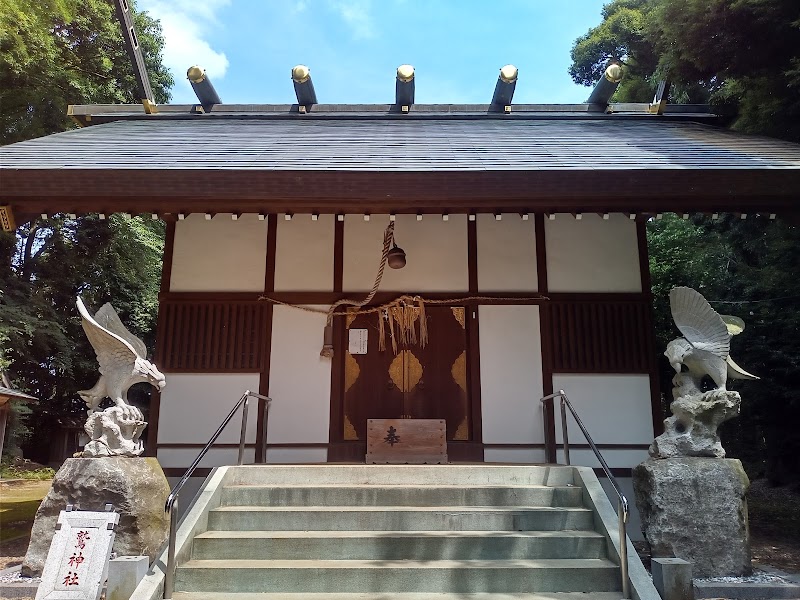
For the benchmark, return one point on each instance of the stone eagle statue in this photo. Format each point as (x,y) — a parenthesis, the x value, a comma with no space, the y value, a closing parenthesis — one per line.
(123,363)
(705,346)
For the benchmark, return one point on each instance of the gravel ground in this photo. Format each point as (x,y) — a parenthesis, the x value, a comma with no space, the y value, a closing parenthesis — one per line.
(759,577)
(15,577)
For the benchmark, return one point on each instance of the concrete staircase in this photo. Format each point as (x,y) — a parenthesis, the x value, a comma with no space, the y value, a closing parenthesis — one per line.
(367,532)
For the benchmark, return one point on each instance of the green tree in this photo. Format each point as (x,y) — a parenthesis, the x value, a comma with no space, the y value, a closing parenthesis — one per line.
(741,53)
(620,38)
(54,53)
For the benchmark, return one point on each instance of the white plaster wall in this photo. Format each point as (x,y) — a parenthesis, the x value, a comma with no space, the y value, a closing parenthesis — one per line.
(615,409)
(304,254)
(616,459)
(436,251)
(181,458)
(514,455)
(300,379)
(220,254)
(506,253)
(592,254)
(297,455)
(194,405)
(511,374)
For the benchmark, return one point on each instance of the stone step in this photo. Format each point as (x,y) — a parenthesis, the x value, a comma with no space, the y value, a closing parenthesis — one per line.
(394,596)
(397,545)
(392,577)
(383,495)
(408,475)
(390,518)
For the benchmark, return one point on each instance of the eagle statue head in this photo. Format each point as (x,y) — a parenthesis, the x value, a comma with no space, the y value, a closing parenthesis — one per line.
(148,373)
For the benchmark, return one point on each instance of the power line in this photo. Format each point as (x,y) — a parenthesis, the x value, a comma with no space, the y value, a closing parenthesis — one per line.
(752,301)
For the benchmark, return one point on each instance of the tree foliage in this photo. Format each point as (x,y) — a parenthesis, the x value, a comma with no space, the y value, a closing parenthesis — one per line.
(747,268)
(54,53)
(741,53)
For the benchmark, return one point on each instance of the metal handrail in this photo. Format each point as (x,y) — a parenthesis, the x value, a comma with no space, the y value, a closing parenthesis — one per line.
(622,506)
(171,506)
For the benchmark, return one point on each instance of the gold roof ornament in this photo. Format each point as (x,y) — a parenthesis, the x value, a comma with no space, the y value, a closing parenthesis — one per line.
(613,73)
(405,73)
(195,74)
(301,74)
(509,73)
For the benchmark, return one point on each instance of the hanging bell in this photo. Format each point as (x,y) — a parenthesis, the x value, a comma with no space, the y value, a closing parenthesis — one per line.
(396,258)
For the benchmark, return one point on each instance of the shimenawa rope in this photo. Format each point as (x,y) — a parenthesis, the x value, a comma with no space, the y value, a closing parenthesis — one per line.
(401,303)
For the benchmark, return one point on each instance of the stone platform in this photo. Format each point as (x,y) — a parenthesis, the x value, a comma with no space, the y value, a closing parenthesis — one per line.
(137,489)
(694,508)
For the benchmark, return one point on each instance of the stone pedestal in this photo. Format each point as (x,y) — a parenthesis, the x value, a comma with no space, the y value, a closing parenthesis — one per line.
(692,428)
(115,431)
(695,508)
(136,487)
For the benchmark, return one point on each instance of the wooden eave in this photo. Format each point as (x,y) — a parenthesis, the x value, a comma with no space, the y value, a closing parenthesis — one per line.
(13,394)
(244,191)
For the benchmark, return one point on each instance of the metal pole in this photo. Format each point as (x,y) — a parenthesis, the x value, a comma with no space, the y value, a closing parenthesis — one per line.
(564,434)
(268,402)
(169,576)
(623,549)
(244,430)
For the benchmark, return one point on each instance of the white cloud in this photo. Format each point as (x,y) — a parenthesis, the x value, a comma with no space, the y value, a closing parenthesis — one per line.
(357,15)
(186,25)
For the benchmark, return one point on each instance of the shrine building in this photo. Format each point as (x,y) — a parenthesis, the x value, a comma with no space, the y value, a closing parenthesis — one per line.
(523,231)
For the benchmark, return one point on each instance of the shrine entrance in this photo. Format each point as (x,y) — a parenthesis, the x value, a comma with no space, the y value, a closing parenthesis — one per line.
(414,382)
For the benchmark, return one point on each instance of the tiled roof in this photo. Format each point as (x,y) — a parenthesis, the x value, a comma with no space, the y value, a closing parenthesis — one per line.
(426,145)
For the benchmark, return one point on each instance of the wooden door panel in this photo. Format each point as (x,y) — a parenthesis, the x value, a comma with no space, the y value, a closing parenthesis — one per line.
(442,392)
(368,390)
(421,383)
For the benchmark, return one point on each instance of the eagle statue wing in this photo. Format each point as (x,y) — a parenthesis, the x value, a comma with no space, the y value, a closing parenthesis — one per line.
(734,324)
(737,372)
(700,324)
(114,353)
(108,319)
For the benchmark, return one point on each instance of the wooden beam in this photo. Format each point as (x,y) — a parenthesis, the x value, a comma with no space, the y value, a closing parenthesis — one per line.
(135,53)
(7,222)
(212,191)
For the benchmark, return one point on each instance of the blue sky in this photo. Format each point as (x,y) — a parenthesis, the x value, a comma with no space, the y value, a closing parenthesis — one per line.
(353,47)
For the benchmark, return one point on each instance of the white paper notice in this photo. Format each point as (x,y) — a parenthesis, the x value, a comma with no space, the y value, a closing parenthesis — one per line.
(358,341)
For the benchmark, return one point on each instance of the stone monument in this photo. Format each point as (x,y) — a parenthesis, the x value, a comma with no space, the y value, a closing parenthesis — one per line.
(77,564)
(110,469)
(690,497)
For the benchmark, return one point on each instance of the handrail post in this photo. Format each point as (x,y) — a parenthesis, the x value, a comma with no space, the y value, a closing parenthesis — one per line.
(169,576)
(564,434)
(622,511)
(266,430)
(243,434)
(548,416)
